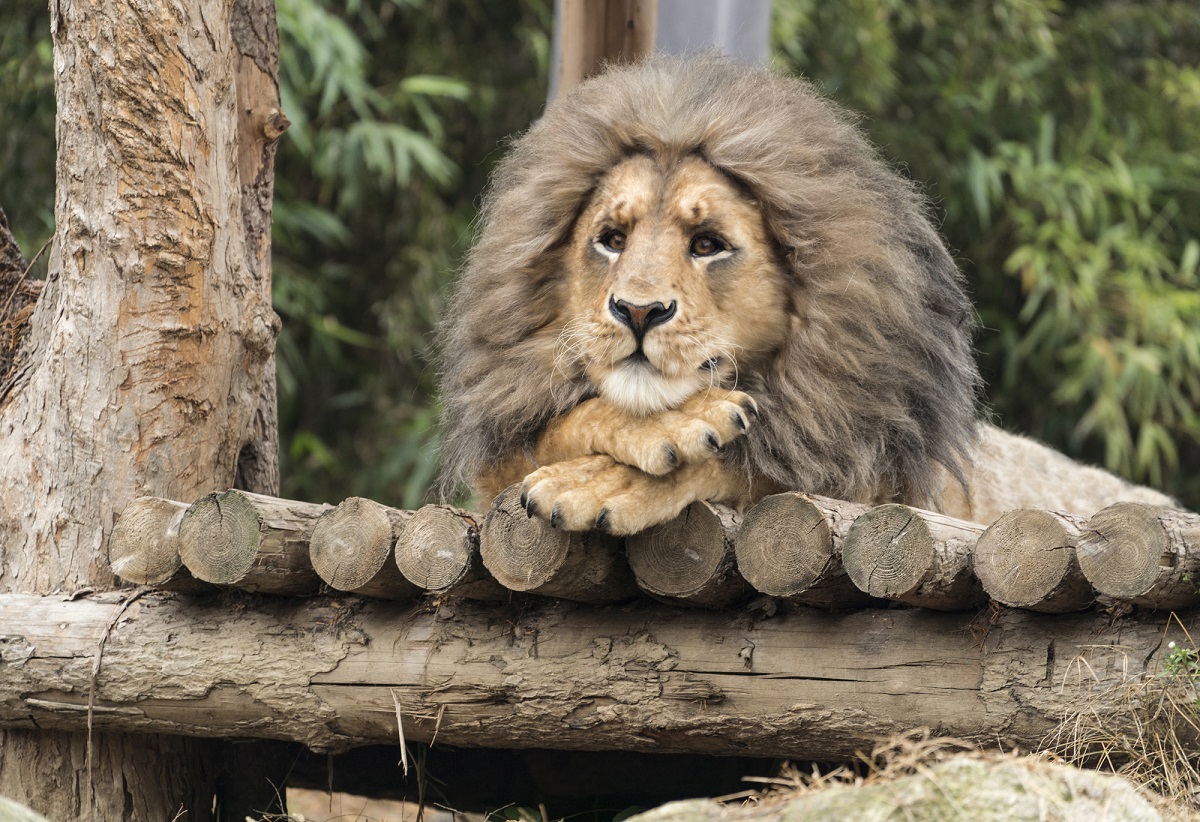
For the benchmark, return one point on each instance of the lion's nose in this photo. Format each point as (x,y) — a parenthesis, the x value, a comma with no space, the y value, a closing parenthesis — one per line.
(640,318)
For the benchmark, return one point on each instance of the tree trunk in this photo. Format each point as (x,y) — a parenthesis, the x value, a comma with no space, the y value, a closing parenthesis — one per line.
(148,350)
(646,677)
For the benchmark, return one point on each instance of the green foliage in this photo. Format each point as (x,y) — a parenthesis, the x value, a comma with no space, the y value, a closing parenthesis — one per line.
(1058,140)
(27,123)
(372,216)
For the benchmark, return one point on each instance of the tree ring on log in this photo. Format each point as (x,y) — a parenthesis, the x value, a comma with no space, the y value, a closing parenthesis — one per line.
(222,537)
(785,545)
(689,559)
(1026,559)
(351,543)
(440,546)
(888,551)
(533,552)
(143,547)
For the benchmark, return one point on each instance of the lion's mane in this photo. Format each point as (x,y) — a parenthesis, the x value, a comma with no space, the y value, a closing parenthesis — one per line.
(876,382)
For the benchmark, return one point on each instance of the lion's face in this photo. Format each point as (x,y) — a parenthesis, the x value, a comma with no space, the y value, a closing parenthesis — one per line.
(673,285)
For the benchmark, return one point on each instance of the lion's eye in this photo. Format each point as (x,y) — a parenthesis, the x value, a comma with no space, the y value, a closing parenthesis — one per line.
(613,240)
(706,245)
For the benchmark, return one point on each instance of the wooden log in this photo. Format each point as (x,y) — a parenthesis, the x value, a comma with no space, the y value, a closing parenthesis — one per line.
(251,542)
(351,549)
(594,32)
(915,557)
(690,560)
(1026,559)
(790,546)
(525,554)
(143,547)
(804,684)
(1146,555)
(439,551)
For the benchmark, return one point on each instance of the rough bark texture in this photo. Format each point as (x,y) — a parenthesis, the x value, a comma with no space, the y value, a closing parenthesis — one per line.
(1149,556)
(146,355)
(525,554)
(690,560)
(915,557)
(334,673)
(1026,559)
(790,546)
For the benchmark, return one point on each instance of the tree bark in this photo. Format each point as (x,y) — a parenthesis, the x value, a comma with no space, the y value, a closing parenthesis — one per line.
(146,357)
(334,673)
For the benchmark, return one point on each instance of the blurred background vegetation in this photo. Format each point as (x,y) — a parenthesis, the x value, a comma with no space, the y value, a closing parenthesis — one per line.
(1057,140)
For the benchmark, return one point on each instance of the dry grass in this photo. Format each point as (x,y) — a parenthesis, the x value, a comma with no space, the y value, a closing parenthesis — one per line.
(1153,740)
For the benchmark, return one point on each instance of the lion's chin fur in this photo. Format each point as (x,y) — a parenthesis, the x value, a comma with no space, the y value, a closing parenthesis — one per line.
(641,389)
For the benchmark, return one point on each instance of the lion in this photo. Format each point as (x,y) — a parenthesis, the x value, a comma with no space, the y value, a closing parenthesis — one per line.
(697,280)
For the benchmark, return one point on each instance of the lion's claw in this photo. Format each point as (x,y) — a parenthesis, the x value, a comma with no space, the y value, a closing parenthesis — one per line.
(599,493)
(692,433)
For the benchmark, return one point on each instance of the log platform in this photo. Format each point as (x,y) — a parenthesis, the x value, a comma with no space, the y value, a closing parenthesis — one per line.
(797,548)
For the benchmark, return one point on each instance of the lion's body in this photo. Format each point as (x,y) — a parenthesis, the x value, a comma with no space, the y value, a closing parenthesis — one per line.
(688,254)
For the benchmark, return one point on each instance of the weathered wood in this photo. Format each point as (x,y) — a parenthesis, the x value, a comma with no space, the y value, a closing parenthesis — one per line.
(1026,559)
(351,549)
(914,556)
(804,684)
(690,560)
(1149,556)
(144,546)
(439,551)
(523,553)
(146,354)
(250,541)
(790,546)
(594,32)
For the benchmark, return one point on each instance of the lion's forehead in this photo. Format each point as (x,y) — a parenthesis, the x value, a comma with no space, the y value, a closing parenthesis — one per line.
(689,193)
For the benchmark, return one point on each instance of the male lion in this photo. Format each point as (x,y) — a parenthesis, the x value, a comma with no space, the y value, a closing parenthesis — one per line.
(697,280)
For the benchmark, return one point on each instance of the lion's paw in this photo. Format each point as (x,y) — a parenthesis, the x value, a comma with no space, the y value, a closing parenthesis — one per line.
(600,493)
(692,433)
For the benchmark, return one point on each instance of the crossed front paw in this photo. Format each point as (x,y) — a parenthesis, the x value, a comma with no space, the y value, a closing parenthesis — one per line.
(597,492)
(692,433)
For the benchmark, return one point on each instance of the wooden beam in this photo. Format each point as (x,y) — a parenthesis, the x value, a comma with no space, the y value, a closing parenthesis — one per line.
(334,673)
(594,32)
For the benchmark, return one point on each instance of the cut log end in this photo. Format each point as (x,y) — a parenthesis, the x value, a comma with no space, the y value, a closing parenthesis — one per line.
(1026,559)
(439,548)
(251,541)
(1143,554)
(351,543)
(144,545)
(220,537)
(1121,549)
(690,559)
(785,545)
(888,551)
(525,554)
(522,552)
